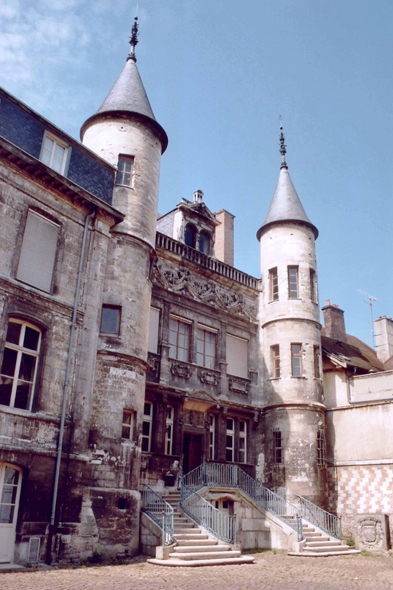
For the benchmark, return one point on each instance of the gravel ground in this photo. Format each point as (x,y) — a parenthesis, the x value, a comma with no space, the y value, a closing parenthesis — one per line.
(270,571)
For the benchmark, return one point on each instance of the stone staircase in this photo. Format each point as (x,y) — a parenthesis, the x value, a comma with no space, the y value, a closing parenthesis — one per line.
(195,547)
(320,544)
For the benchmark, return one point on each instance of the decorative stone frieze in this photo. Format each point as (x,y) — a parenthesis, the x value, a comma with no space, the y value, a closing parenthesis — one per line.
(181,370)
(181,280)
(208,377)
(193,418)
(238,385)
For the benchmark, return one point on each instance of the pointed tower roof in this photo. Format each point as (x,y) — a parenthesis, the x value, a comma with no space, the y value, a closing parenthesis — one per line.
(128,96)
(285,205)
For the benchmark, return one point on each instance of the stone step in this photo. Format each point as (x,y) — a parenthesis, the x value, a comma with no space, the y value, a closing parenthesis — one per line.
(324,543)
(206,555)
(308,535)
(186,528)
(325,553)
(327,548)
(243,559)
(190,536)
(201,548)
(197,542)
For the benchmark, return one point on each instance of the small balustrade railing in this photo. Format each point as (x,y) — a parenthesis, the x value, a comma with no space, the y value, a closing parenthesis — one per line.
(202,259)
(160,511)
(219,523)
(330,523)
(232,476)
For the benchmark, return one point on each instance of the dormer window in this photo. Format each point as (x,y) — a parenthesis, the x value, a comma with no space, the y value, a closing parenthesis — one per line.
(204,242)
(190,235)
(54,153)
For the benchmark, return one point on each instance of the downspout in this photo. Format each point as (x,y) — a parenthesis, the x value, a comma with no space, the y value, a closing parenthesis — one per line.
(67,375)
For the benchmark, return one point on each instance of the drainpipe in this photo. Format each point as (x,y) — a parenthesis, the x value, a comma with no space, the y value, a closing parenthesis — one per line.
(66,380)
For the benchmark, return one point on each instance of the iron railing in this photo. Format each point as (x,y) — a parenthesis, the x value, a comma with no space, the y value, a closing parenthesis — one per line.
(330,523)
(160,511)
(232,476)
(220,524)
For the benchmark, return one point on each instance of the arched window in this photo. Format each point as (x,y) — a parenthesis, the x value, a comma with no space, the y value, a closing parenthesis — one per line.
(19,367)
(204,242)
(190,235)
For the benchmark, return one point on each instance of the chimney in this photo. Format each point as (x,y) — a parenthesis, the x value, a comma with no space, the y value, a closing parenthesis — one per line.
(384,338)
(223,247)
(333,318)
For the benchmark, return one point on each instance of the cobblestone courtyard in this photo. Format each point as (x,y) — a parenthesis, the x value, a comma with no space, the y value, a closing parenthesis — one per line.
(271,571)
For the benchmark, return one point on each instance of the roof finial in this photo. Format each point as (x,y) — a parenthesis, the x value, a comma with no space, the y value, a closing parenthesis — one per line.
(134,39)
(283,150)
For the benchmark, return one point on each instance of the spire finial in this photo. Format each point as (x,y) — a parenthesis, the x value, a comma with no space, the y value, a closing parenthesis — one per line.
(134,39)
(283,147)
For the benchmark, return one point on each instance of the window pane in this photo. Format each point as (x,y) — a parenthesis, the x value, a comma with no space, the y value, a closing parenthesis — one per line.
(5,390)
(125,431)
(145,445)
(22,395)
(146,428)
(127,417)
(147,409)
(13,332)
(58,157)
(31,338)
(11,476)
(6,513)
(237,352)
(229,456)
(242,426)
(229,424)
(110,320)
(27,366)
(9,362)
(9,494)
(296,367)
(47,151)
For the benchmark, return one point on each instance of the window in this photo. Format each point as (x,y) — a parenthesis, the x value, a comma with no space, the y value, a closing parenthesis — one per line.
(273,284)
(212,437)
(55,153)
(321,449)
(127,427)
(154,325)
(317,362)
(190,235)
(38,253)
(110,319)
(124,171)
(19,368)
(275,361)
(293,282)
(277,447)
(147,426)
(206,348)
(296,359)
(242,441)
(237,356)
(313,285)
(230,439)
(204,242)
(179,340)
(169,430)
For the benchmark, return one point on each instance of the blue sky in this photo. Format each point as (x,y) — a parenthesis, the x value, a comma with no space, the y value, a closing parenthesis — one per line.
(218,75)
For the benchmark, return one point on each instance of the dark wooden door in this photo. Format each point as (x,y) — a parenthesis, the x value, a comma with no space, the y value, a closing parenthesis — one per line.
(192,451)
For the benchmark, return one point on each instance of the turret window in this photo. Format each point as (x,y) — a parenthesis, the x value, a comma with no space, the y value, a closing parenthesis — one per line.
(293,282)
(277,447)
(313,285)
(124,171)
(296,359)
(321,449)
(317,362)
(275,361)
(273,284)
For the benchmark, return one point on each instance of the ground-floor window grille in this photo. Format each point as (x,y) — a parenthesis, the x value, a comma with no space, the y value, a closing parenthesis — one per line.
(277,447)
(321,449)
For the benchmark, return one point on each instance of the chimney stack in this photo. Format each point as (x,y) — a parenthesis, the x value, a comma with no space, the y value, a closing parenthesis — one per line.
(333,318)
(384,338)
(224,246)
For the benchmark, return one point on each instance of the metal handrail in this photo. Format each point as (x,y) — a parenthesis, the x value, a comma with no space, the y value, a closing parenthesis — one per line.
(160,511)
(330,523)
(219,523)
(224,475)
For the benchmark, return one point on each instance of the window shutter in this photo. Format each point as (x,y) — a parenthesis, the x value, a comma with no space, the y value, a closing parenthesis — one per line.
(153,330)
(38,253)
(237,353)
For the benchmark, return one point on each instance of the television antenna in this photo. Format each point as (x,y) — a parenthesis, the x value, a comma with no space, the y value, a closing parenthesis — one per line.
(370,302)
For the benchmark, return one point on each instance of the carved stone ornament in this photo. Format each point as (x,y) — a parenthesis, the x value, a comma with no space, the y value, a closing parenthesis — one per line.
(181,280)
(370,532)
(239,386)
(208,377)
(181,370)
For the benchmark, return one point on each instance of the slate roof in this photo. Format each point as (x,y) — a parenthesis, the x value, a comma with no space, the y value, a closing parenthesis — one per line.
(286,205)
(353,353)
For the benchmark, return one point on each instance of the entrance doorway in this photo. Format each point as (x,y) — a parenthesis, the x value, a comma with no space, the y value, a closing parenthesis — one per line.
(10,484)
(192,451)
